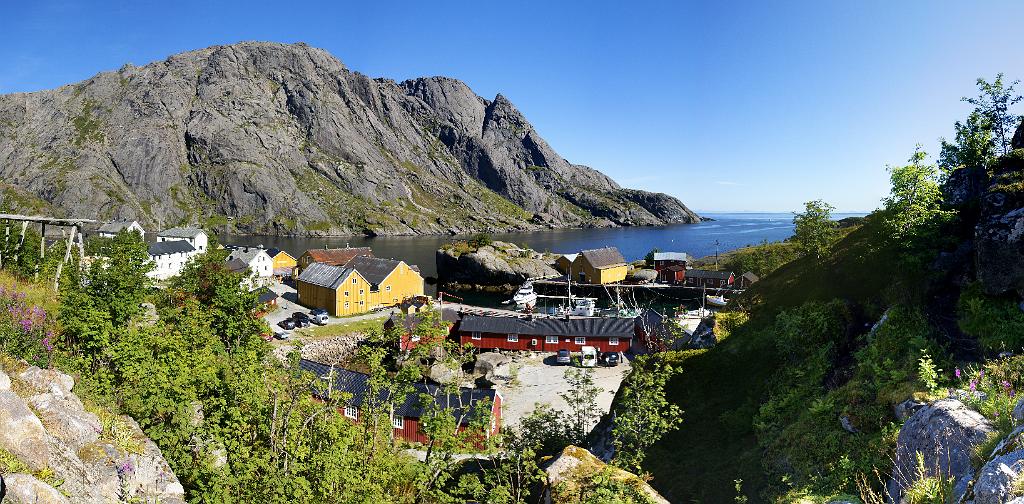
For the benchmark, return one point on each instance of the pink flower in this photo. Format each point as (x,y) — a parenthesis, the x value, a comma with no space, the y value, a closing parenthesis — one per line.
(957,373)
(974,385)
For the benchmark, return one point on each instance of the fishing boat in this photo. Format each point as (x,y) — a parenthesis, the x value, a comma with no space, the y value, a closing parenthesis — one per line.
(579,307)
(715,300)
(525,296)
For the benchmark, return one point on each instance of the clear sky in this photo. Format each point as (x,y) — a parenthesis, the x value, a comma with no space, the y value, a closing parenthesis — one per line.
(731,106)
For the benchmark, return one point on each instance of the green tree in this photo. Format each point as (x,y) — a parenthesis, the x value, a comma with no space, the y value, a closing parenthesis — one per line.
(581,396)
(914,198)
(649,258)
(974,145)
(815,230)
(644,414)
(994,102)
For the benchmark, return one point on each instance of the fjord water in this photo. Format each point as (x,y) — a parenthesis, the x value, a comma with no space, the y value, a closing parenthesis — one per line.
(729,230)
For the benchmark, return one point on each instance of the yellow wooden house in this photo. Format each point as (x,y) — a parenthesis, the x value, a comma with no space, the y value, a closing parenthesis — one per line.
(391,281)
(339,290)
(284,263)
(600,266)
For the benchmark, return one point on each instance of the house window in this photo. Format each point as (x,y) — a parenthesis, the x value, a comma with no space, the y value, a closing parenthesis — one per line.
(353,280)
(550,339)
(613,341)
(513,338)
(346,304)
(580,340)
(360,292)
(398,422)
(361,302)
(387,288)
(346,293)
(476,335)
(351,412)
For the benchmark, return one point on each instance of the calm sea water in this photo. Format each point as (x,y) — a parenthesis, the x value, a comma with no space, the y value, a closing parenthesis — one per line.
(727,232)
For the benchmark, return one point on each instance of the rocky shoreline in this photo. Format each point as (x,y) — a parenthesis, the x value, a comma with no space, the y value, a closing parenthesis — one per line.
(494,267)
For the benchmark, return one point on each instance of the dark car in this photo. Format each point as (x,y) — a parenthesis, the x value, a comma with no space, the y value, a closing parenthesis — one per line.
(287,323)
(301,320)
(610,359)
(317,311)
(563,357)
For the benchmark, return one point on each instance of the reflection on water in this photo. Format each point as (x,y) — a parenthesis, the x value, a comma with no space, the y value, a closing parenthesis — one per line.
(731,231)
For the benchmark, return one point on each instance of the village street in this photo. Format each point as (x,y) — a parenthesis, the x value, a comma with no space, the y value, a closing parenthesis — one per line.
(539,381)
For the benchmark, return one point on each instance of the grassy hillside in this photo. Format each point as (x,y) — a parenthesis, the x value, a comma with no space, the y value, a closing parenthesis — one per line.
(728,389)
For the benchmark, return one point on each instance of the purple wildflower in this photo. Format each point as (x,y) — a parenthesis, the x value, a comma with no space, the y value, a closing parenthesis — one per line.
(957,373)
(125,467)
(1006,385)
(974,385)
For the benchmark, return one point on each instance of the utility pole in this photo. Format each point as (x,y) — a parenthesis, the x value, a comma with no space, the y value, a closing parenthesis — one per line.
(716,254)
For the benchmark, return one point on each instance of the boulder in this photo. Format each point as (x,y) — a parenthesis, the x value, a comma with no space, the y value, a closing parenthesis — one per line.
(150,476)
(27,489)
(574,463)
(489,362)
(5,381)
(945,434)
(1018,411)
(995,481)
(1018,138)
(47,380)
(906,408)
(66,419)
(22,433)
(441,373)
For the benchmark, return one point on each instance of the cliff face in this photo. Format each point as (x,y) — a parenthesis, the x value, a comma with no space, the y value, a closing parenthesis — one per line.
(284,139)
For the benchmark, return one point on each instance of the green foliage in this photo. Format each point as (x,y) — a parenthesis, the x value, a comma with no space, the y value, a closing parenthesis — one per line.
(581,396)
(815,231)
(643,414)
(604,486)
(994,101)
(649,258)
(997,322)
(88,128)
(480,240)
(928,489)
(927,372)
(974,145)
(760,259)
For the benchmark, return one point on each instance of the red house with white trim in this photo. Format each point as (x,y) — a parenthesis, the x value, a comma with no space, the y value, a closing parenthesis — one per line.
(406,412)
(546,334)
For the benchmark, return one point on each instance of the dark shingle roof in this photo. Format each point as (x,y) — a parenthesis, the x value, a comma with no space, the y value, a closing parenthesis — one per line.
(717,275)
(339,256)
(751,276)
(356,384)
(595,327)
(236,265)
(170,247)
(324,275)
(373,269)
(268,296)
(604,257)
(181,232)
(115,227)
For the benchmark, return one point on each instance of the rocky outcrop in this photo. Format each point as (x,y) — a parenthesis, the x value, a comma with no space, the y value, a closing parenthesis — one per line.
(493,367)
(284,139)
(945,434)
(499,266)
(573,464)
(999,234)
(47,428)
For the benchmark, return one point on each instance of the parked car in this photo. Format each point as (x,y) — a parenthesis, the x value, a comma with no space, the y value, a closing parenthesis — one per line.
(301,319)
(315,311)
(319,317)
(563,357)
(588,356)
(610,359)
(287,324)
(282,335)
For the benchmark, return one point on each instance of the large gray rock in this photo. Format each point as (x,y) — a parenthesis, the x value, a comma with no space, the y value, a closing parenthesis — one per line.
(965,185)
(21,433)
(999,233)
(494,367)
(27,489)
(66,419)
(441,373)
(1018,137)
(5,381)
(47,380)
(945,434)
(497,264)
(995,481)
(574,464)
(289,138)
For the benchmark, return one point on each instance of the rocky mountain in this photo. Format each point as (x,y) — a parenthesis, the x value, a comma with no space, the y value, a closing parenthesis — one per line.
(284,139)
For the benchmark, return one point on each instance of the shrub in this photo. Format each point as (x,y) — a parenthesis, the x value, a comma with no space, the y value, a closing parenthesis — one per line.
(998,323)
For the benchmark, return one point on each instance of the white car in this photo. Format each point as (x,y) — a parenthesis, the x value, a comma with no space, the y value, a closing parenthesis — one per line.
(588,356)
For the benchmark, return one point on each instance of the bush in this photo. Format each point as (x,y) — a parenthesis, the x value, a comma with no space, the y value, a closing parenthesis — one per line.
(998,323)
(480,240)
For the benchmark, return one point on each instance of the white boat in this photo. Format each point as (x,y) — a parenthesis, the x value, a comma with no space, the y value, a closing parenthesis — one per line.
(525,296)
(699,314)
(716,300)
(580,307)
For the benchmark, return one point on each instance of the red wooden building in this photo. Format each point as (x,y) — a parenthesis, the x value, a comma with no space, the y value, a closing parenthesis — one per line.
(674,274)
(709,279)
(664,260)
(406,412)
(546,334)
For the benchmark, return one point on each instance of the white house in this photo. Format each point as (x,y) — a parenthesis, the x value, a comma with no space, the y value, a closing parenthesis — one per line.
(194,236)
(110,229)
(259,261)
(169,258)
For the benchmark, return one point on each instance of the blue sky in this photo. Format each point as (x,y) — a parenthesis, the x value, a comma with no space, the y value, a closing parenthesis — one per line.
(730,106)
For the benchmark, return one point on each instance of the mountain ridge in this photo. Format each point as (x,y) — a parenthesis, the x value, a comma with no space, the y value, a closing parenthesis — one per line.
(269,138)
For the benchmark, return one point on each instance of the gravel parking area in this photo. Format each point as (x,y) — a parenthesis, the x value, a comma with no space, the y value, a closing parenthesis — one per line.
(539,381)
(287,304)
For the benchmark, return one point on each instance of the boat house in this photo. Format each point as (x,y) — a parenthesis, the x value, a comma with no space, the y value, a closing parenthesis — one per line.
(284,263)
(600,266)
(674,274)
(406,411)
(546,334)
(391,281)
(664,260)
(564,262)
(709,279)
(746,280)
(110,229)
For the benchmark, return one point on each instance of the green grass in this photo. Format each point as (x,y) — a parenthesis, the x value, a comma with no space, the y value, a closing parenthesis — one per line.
(342,328)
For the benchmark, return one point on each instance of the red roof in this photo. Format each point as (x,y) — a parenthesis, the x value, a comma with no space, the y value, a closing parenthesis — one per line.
(338,256)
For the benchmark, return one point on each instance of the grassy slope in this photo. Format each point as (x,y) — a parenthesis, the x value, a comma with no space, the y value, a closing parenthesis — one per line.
(721,389)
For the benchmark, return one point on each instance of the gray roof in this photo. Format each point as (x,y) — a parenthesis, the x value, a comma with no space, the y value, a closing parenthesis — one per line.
(170,247)
(115,227)
(594,327)
(324,275)
(670,256)
(604,257)
(750,275)
(245,253)
(236,265)
(357,384)
(181,232)
(373,269)
(718,275)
